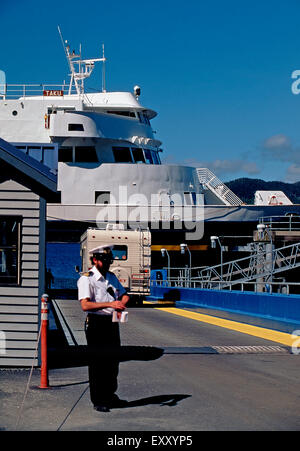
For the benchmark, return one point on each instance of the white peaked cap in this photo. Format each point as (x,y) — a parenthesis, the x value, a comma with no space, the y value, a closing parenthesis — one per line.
(101,249)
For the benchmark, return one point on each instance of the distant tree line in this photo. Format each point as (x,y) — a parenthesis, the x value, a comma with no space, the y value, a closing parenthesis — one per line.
(245,189)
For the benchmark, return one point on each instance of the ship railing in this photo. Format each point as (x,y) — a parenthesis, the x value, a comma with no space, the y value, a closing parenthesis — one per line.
(209,180)
(281,287)
(261,266)
(15,91)
(289,222)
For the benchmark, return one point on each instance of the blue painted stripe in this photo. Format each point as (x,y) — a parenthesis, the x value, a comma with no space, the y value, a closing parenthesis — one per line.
(278,307)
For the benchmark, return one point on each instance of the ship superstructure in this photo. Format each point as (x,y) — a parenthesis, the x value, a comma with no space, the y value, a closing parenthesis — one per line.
(107,156)
(101,144)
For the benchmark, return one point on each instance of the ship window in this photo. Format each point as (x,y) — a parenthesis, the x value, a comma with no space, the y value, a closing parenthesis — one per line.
(9,250)
(119,252)
(22,148)
(122,154)
(148,156)
(86,154)
(143,118)
(75,128)
(122,113)
(155,157)
(138,155)
(35,152)
(190,198)
(49,156)
(65,154)
(102,197)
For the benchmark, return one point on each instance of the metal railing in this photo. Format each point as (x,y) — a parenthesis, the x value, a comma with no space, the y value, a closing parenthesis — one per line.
(262,264)
(258,269)
(254,286)
(290,222)
(15,91)
(212,182)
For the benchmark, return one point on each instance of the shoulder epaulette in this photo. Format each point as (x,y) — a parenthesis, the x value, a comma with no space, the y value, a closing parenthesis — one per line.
(87,274)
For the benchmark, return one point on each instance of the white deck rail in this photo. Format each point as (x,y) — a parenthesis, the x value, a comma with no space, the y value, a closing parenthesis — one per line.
(15,91)
(209,180)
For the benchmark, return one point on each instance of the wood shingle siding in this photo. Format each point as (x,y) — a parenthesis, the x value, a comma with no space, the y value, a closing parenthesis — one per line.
(19,305)
(25,185)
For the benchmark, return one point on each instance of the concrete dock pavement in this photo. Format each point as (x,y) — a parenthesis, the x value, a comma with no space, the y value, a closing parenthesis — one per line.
(71,318)
(189,387)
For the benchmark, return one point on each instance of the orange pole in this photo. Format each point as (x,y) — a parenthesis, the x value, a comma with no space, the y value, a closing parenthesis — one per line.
(44,350)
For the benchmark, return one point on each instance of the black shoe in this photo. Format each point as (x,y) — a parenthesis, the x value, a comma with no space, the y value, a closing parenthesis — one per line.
(101,408)
(117,402)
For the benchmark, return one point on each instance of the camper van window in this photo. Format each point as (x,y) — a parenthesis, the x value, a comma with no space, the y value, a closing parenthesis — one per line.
(119,252)
(9,250)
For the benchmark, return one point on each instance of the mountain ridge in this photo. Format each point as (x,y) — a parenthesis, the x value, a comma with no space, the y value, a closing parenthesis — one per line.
(245,188)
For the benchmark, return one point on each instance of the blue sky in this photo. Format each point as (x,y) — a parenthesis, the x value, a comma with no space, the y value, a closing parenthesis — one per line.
(218,73)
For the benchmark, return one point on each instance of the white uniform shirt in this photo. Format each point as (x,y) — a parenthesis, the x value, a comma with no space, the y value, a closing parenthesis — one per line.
(95,287)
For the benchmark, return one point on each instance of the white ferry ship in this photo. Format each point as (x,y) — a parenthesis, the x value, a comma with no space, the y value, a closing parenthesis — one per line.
(107,159)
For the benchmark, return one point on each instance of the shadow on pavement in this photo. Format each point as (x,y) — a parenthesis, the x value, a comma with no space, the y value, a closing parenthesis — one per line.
(75,356)
(60,355)
(163,400)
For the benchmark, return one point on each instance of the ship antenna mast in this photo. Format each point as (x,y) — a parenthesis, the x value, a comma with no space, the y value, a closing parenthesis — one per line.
(103,70)
(71,65)
(85,67)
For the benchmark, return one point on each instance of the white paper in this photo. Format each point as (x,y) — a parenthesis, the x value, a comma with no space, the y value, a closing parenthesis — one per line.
(123,319)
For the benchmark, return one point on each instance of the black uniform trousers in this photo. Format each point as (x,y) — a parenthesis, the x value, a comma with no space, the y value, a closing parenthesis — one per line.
(103,339)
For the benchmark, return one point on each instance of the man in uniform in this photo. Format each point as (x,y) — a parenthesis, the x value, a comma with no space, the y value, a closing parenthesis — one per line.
(100,294)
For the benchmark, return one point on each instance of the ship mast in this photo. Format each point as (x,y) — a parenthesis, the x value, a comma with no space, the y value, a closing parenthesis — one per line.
(81,69)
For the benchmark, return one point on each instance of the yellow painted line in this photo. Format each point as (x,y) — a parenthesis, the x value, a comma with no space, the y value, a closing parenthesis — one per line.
(267,334)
